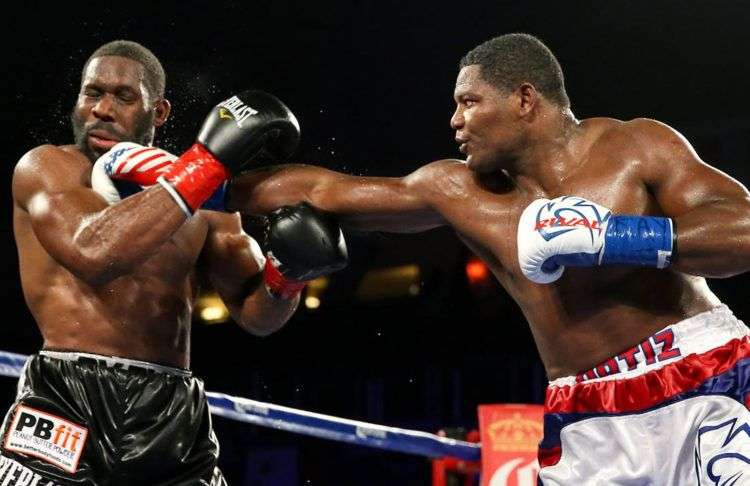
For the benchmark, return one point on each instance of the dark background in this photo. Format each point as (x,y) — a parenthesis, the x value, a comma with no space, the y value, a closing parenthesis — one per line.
(371,84)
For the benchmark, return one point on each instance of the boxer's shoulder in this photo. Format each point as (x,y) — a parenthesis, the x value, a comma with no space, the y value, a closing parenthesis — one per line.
(639,140)
(601,130)
(657,144)
(48,156)
(443,165)
(431,177)
(440,169)
(644,133)
(49,166)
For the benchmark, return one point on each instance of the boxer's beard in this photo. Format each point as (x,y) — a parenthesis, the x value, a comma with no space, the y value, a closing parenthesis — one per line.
(142,133)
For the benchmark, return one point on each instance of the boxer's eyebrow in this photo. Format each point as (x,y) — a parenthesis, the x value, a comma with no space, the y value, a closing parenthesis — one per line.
(109,87)
(461,93)
(125,89)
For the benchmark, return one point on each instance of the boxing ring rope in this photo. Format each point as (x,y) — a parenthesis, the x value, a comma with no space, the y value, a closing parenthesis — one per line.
(313,424)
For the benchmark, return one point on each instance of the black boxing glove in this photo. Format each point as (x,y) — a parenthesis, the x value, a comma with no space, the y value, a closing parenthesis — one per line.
(261,127)
(247,126)
(301,244)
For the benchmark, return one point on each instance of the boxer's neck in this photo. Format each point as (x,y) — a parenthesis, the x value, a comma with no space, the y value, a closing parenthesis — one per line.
(549,153)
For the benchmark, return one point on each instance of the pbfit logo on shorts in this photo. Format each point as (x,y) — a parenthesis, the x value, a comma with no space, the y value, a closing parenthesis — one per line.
(47,437)
(237,109)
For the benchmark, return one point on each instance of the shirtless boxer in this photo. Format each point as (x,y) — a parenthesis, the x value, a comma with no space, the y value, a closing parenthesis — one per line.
(111,283)
(647,369)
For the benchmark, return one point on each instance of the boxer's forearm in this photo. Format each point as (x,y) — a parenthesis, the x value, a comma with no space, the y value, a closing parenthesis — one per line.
(714,240)
(262,314)
(115,241)
(264,190)
(366,203)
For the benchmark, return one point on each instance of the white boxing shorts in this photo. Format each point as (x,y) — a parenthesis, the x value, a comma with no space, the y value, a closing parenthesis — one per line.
(672,410)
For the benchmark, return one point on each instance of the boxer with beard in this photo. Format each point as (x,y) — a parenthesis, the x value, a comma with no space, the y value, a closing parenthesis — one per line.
(111,280)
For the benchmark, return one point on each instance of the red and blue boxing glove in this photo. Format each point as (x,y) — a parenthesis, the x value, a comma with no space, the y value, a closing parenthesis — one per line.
(128,168)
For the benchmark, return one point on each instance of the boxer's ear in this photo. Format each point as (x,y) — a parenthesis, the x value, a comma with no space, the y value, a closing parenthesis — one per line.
(527,99)
(162,109)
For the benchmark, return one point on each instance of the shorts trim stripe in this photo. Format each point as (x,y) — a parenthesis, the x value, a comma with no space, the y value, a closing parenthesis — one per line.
(647,390)
(731,383)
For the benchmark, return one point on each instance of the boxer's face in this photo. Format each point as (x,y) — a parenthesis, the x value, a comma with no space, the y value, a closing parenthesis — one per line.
(113,106)
(487,128)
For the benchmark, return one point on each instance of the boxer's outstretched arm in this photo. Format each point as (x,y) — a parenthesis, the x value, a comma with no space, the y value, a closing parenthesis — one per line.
(234,264)
(92,240)
(402,205)
(710,210)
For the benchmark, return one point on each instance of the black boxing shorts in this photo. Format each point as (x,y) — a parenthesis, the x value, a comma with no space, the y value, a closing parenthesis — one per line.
(87,419)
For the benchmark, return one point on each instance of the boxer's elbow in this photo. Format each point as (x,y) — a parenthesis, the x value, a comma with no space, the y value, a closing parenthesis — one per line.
(95,268)
(97,261)
(260,331)
(714,241)
(740,240)
(262,314)
(261,327)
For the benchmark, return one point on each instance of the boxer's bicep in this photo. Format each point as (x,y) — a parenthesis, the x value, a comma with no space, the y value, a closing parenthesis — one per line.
(680,180)
(710,210)
(57,201)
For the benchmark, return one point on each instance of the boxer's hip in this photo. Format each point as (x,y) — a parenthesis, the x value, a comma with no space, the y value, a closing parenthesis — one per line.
(642,415)
(83,417)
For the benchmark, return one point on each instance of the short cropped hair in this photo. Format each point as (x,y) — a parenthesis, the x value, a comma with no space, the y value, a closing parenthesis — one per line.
(509,60)
(154,79)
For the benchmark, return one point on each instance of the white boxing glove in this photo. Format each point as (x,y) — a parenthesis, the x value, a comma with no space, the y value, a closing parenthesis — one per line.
(570,230)
(548,229)
(102,184)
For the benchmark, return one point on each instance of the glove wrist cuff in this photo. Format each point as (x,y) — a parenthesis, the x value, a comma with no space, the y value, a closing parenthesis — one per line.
(638,240)
(278,285)
(195,176)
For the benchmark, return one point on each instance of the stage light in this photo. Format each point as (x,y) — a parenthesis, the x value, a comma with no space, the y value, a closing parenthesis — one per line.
(312,302)
(314,291)
(211,309)
(477,271)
